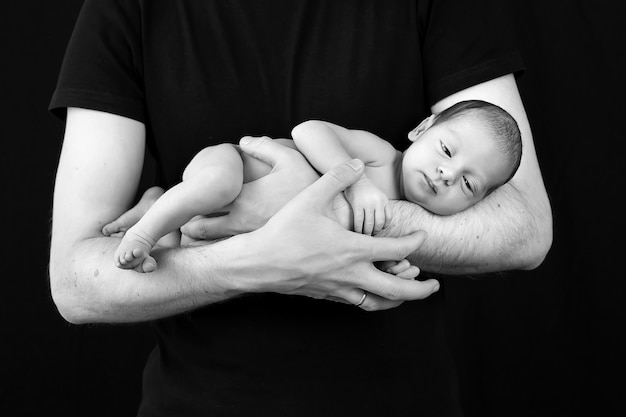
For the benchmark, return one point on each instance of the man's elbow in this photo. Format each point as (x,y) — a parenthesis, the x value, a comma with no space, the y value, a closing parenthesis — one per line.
(67,300)
(538,246)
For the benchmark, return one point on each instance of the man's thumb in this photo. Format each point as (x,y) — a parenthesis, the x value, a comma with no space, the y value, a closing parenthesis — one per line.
(336,180)
(264,149)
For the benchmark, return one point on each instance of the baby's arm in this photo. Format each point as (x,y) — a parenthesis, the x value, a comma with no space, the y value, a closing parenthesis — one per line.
(325,145)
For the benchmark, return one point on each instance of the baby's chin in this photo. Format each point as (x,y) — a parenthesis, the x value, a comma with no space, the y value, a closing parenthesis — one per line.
(447,211)
(435,209)
(444,212)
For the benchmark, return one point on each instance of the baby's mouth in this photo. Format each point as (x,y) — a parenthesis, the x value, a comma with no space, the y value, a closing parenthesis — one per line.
(430,184)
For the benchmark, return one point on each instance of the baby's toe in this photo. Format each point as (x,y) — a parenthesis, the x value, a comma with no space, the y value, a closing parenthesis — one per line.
(149,264)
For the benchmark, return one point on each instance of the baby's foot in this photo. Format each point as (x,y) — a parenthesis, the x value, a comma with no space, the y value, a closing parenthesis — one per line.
(403,269)
(134,253)
(127,220)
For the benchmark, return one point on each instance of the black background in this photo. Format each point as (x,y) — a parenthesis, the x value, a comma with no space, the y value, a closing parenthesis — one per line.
(549,342)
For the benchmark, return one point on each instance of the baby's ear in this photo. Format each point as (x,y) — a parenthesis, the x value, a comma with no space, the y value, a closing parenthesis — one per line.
(426,123)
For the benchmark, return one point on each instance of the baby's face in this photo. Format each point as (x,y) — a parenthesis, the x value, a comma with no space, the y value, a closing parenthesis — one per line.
(451,166)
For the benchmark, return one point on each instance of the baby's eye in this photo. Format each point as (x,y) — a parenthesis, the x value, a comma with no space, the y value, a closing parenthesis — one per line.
(445,149)
(468,185)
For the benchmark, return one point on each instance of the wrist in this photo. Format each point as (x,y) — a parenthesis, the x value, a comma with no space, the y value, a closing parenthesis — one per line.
(202,270)
(224,267)
(243,265)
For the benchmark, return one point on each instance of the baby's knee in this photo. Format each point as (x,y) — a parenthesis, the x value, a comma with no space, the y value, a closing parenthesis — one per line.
(216,157)
(221,176)
(227,183)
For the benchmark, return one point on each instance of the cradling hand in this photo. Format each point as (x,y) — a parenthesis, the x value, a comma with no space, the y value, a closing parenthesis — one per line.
(305,251)
(260,199)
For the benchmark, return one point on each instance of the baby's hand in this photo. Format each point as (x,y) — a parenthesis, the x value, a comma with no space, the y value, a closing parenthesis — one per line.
(402,269)
(369,206)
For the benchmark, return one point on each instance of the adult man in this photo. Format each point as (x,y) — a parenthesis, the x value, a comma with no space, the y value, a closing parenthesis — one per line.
(231,338)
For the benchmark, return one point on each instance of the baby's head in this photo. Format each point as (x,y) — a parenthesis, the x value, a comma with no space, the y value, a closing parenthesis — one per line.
(459,156)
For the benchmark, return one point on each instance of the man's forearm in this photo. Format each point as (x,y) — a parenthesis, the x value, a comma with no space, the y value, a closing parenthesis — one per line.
(88,288)
(500,233)
(301,251)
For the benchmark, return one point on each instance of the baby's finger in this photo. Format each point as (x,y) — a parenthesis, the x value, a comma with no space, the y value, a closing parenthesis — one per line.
(379,223)
(358,220)
(368,223)
(388,215)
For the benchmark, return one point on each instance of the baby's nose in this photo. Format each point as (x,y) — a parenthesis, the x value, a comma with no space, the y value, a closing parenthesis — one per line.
(448,174)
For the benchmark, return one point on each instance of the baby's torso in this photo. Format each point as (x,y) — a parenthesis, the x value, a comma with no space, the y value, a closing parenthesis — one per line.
(387,177)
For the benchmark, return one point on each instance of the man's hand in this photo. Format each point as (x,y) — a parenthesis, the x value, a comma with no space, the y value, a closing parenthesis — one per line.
(309,253)
(260,199)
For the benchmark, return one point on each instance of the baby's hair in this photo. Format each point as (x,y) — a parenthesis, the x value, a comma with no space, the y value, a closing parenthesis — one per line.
(504,129)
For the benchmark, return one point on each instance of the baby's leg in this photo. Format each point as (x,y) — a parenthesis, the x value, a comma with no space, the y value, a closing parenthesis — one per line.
(119,226)
(212,180)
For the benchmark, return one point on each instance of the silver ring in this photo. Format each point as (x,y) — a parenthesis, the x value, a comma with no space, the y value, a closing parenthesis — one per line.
(362,299)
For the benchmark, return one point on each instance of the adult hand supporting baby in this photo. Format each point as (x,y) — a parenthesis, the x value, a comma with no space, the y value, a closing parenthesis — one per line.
(308,253)
(260,199)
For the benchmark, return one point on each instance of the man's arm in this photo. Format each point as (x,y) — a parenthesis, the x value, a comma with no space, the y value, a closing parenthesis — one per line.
(97,177)
(510,229)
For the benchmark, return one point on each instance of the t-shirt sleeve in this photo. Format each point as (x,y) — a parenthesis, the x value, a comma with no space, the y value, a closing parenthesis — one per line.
(464,43)
(102,68)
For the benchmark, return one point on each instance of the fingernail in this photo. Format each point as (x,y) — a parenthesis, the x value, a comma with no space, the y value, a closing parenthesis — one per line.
(355,164)
(436,287)
(245,140)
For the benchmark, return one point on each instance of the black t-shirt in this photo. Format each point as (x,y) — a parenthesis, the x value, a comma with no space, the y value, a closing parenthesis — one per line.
(204,72)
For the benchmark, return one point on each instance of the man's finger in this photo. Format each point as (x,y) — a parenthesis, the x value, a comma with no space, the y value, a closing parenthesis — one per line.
(396,288)
(410,273)
(392,248)
(337,179)
(398,267)
(375,303)
(210,227)
(265,149)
